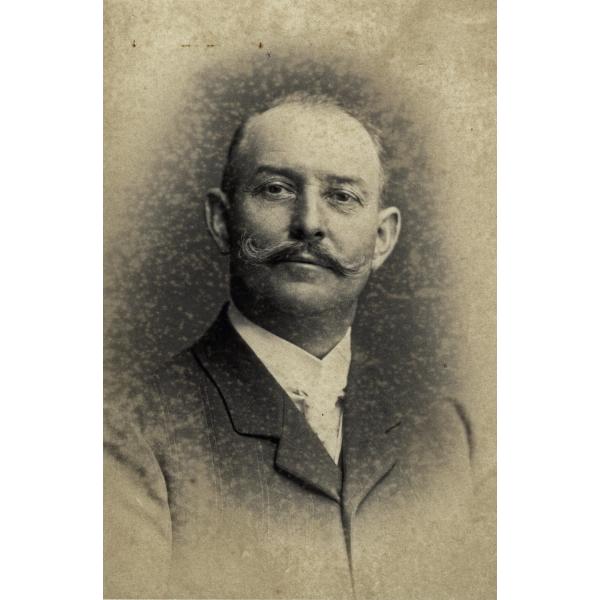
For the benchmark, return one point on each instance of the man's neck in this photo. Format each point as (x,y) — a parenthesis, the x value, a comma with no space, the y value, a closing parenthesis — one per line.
(317,334)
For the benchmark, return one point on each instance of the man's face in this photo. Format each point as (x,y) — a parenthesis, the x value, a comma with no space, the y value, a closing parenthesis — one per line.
(308,176)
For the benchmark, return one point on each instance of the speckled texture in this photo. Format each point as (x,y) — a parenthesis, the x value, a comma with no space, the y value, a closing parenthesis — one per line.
(172,280)
(180,75)
(245,502)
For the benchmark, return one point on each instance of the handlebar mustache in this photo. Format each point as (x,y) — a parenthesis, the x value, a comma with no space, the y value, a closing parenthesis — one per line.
(253,253)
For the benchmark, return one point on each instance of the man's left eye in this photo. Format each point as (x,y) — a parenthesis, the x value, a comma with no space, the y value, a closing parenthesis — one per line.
(342,197)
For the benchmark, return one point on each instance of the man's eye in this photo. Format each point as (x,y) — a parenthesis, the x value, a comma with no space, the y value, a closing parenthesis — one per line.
(343,197)
(276,190)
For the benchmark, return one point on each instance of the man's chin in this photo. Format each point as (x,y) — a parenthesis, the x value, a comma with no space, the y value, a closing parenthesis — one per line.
(296,291)
(303,298)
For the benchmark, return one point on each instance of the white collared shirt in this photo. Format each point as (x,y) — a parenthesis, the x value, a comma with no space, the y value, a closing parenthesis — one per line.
(314,385)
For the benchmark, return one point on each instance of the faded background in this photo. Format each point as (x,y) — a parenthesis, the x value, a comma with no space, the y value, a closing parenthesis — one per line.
(179,77)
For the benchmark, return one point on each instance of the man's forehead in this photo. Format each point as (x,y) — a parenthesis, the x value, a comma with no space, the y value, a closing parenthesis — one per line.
(320,138)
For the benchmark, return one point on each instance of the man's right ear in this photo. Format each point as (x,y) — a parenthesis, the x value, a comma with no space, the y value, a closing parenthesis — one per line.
(215,210)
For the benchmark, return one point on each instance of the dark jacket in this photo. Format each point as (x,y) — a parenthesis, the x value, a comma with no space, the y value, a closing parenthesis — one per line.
(216,487)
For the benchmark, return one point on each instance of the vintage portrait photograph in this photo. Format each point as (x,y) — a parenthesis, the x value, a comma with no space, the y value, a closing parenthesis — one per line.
(299,299)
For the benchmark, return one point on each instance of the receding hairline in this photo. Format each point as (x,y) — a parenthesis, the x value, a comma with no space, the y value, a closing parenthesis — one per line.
(303,100)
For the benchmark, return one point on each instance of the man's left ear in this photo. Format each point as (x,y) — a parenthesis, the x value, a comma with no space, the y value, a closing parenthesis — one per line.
(388,232)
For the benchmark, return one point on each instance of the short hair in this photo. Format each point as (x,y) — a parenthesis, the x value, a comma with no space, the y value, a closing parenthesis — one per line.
(229,180)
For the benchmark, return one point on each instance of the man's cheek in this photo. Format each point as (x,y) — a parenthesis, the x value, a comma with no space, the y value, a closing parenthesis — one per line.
(359,244)
(265,223)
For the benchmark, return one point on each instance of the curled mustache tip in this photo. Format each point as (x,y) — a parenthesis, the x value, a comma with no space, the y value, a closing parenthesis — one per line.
(252,253)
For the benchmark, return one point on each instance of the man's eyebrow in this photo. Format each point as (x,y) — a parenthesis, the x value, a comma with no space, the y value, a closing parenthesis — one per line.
(290,173)
(340,179)
(328,177)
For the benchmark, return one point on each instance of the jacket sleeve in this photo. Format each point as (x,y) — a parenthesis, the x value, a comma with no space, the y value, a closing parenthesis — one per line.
(137,523)
(480,541)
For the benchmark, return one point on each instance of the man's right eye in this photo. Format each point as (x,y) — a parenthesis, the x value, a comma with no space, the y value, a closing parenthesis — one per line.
(276,191)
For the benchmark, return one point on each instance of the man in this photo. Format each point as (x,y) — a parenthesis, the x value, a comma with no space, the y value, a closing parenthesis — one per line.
(270,460)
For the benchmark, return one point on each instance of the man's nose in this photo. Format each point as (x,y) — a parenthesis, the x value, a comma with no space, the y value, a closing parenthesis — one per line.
(308,219)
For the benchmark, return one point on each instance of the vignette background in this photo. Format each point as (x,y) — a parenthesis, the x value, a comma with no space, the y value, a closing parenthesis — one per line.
(175,73)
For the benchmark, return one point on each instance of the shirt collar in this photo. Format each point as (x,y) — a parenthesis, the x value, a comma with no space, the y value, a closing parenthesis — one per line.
(290,365)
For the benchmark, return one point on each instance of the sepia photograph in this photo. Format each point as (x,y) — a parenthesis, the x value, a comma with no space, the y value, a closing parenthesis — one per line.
(299,299)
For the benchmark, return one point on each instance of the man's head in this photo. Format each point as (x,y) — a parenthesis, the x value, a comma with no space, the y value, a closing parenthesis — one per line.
(300,207)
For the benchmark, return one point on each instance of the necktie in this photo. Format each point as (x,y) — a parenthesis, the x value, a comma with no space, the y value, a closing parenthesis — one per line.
(322,408)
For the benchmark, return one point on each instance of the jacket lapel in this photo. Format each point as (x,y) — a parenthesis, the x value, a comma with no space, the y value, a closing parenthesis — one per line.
(371,422)
(301,454)
(259,407)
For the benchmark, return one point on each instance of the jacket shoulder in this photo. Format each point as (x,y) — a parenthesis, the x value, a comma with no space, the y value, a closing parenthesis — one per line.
(177,370)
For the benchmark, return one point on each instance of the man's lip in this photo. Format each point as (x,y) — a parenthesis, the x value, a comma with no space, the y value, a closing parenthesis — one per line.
(307,260)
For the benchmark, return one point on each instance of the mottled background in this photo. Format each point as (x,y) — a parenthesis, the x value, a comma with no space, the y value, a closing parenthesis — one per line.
(179,77)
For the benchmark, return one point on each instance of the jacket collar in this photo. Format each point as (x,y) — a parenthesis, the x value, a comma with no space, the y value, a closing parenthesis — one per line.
(259,407)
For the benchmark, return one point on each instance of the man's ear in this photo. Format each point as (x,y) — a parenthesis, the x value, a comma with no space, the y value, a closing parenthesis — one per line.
(388,232)
(215,210)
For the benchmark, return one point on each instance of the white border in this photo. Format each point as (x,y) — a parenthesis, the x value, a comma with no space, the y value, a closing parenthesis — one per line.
(548,300)
(50,244)
(51,291)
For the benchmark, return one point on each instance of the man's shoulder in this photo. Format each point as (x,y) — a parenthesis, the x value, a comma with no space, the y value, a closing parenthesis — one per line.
(407,394)
(178,368)
(157,413)
(188,366)
(142,401)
